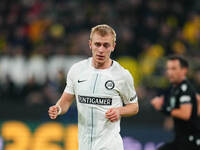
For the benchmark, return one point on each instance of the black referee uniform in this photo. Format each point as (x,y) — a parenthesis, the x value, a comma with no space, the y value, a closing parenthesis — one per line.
(187,133)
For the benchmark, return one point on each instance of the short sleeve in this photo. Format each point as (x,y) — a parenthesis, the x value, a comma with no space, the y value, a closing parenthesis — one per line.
(69,83)
(186,96)
(128,92)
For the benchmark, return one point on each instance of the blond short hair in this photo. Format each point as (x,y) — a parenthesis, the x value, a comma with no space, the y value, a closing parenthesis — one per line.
(103,30)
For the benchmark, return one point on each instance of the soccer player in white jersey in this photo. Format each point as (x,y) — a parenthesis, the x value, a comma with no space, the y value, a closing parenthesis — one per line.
(100,86)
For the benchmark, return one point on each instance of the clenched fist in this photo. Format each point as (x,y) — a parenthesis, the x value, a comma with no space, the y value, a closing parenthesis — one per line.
(157,102)
(113,114)
(54,111)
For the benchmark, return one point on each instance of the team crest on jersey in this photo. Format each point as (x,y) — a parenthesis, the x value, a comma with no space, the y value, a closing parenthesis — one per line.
(109,84)
(184,87)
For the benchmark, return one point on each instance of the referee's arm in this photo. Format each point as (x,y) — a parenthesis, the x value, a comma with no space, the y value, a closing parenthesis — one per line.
(198,103)
(184,112)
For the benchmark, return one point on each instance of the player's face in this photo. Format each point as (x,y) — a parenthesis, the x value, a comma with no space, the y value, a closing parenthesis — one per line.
(101,47)
(175,73)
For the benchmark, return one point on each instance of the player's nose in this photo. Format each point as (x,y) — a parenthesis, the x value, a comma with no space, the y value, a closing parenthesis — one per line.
(101,49)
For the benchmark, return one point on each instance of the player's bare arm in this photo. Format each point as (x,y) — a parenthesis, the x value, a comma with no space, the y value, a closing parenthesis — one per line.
(114,114)
(61,106)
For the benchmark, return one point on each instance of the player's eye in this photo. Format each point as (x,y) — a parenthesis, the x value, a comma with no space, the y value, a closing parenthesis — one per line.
(97,44)
(106,45)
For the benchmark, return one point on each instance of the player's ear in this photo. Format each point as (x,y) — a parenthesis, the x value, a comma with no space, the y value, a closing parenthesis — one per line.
(113,48)
(90,44)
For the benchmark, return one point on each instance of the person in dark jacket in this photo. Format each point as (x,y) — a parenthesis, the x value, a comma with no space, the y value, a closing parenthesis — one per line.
(180,102)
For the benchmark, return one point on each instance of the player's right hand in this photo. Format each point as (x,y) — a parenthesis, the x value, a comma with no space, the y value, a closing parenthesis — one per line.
(53,112)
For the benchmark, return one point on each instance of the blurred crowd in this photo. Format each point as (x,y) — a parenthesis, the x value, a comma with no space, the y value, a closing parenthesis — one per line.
(41,39)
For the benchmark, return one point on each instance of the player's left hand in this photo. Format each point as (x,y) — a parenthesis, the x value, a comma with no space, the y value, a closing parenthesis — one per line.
(113,114)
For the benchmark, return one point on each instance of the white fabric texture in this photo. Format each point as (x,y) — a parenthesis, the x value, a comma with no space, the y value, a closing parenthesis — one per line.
(97,90)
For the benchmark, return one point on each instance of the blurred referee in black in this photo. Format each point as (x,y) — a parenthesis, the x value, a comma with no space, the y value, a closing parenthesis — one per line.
(180,102)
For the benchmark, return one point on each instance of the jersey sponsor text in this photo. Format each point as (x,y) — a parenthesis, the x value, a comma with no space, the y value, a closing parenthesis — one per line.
(95,100)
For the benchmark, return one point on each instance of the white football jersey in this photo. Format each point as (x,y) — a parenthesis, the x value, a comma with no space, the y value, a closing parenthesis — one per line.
(97,90)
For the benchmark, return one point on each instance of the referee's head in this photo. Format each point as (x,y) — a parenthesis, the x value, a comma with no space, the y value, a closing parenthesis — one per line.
(182,61)
(176,69)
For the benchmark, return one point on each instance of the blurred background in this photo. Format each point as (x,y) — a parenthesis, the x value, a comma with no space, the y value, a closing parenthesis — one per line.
(41,39)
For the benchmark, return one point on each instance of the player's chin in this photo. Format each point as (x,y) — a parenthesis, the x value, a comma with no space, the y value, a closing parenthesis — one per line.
(100,61)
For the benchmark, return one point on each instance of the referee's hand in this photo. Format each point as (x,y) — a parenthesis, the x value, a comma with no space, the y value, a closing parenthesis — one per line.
(113,114)
(157,102)
(53,111)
